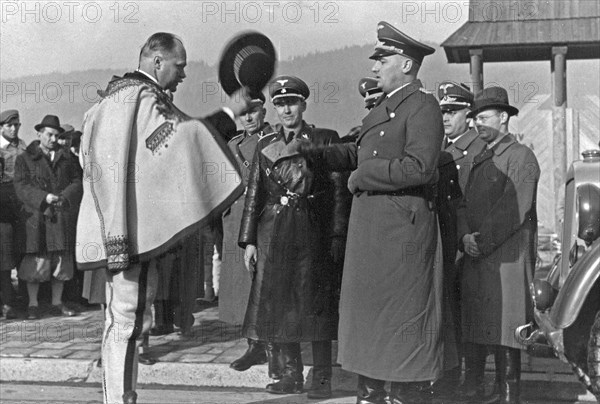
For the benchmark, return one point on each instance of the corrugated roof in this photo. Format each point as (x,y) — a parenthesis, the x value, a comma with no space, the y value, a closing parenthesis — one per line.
(525,40)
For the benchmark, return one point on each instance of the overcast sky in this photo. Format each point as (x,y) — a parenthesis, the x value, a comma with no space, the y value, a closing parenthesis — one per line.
(42,37)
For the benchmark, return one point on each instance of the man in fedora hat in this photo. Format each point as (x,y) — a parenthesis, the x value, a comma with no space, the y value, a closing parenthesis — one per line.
(390,264)
(169,175)
(293,231)
(461,144)
(10,226)
(48,183)
(497,226)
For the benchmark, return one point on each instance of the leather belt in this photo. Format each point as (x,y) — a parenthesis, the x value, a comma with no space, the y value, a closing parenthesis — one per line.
(423,191)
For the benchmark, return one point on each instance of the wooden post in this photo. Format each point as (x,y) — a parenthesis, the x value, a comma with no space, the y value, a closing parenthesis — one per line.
(558,66)
(476,70)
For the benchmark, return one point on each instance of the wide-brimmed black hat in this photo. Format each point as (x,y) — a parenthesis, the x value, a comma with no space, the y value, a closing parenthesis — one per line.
(492,97)
(247,60)
(49,121)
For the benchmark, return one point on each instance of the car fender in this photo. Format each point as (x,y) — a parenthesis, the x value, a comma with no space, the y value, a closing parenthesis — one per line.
(577,286)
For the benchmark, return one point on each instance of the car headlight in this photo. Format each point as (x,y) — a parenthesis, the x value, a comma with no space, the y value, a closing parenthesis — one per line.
(543,294)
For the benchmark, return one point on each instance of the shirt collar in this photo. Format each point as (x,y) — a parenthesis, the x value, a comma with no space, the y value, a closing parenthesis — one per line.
(398,89)
(5,143)
(149,76)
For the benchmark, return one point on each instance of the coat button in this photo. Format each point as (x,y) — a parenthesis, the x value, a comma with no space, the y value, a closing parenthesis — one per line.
(392,114)
(465,152)
(374,152)
(381,133)
(358,147)
(449,197)
(451,181)
(458,166)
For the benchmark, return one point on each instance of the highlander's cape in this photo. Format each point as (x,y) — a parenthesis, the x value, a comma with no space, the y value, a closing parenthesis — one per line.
(152,175)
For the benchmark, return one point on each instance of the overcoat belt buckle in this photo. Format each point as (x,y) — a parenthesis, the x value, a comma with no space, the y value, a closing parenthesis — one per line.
(284,200)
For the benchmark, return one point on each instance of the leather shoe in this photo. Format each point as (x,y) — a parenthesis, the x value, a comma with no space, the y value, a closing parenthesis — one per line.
(320,389)
(255,355)
(130,397)
(146,359)
(9,312)
(33,313)
(287,385)
(161,330)
(61,310)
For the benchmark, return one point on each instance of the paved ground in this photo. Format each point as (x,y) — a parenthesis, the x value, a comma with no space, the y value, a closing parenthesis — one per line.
(66,350)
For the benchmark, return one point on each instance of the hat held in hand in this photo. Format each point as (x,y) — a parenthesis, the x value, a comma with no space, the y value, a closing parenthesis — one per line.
(247,60)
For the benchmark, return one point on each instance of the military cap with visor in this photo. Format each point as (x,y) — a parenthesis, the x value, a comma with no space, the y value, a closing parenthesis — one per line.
(454,96)
(392,41)
(288,86)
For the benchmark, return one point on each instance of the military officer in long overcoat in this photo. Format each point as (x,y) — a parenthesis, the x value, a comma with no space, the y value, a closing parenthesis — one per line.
(293,231)
(235,281)
(460,145)
(497,228)
(390,305)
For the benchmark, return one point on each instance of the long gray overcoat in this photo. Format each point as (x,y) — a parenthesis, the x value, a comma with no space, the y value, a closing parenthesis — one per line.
(390,305)
(499,203)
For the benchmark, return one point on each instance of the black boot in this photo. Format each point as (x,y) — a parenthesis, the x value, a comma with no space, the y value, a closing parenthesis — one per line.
(508,367)
(274,359)
(163,318)
(411,392)
(473,388)
(130,397)
(370,391)
(292,380)
(255,355)
(321,377)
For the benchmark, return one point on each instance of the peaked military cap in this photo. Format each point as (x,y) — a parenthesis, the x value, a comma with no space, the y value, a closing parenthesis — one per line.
(288,86)
(7,115)
(367,86)
(454,96)
(392,41)
(492,98)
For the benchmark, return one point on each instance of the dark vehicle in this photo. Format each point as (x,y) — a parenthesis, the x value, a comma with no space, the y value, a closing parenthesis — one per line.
(567,300)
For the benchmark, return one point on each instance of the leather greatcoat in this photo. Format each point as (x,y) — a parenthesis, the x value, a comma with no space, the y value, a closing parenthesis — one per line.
(293,209)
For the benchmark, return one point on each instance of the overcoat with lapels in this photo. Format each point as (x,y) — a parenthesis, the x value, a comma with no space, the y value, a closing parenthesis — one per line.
(235,281)
(293,209)
(391,287)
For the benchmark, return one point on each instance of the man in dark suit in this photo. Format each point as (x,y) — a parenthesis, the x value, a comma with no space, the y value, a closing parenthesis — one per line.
(461,144)
(170,163)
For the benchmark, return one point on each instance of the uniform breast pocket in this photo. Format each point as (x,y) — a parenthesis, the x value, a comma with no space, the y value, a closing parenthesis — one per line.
(404,213)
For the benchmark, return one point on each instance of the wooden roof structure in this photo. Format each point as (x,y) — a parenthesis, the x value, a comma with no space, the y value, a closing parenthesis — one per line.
(526,30)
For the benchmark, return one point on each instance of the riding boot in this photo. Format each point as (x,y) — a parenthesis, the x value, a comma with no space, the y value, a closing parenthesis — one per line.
(292,379)
(255,355)
(473,388)
(274,359)
(508,364)
(370,391)
(321,377)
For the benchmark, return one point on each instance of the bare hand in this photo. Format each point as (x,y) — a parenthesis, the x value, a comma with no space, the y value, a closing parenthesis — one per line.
(51,198)
(250,257)
(470,244)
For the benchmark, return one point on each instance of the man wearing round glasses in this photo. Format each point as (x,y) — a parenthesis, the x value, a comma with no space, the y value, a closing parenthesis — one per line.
(497,225)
